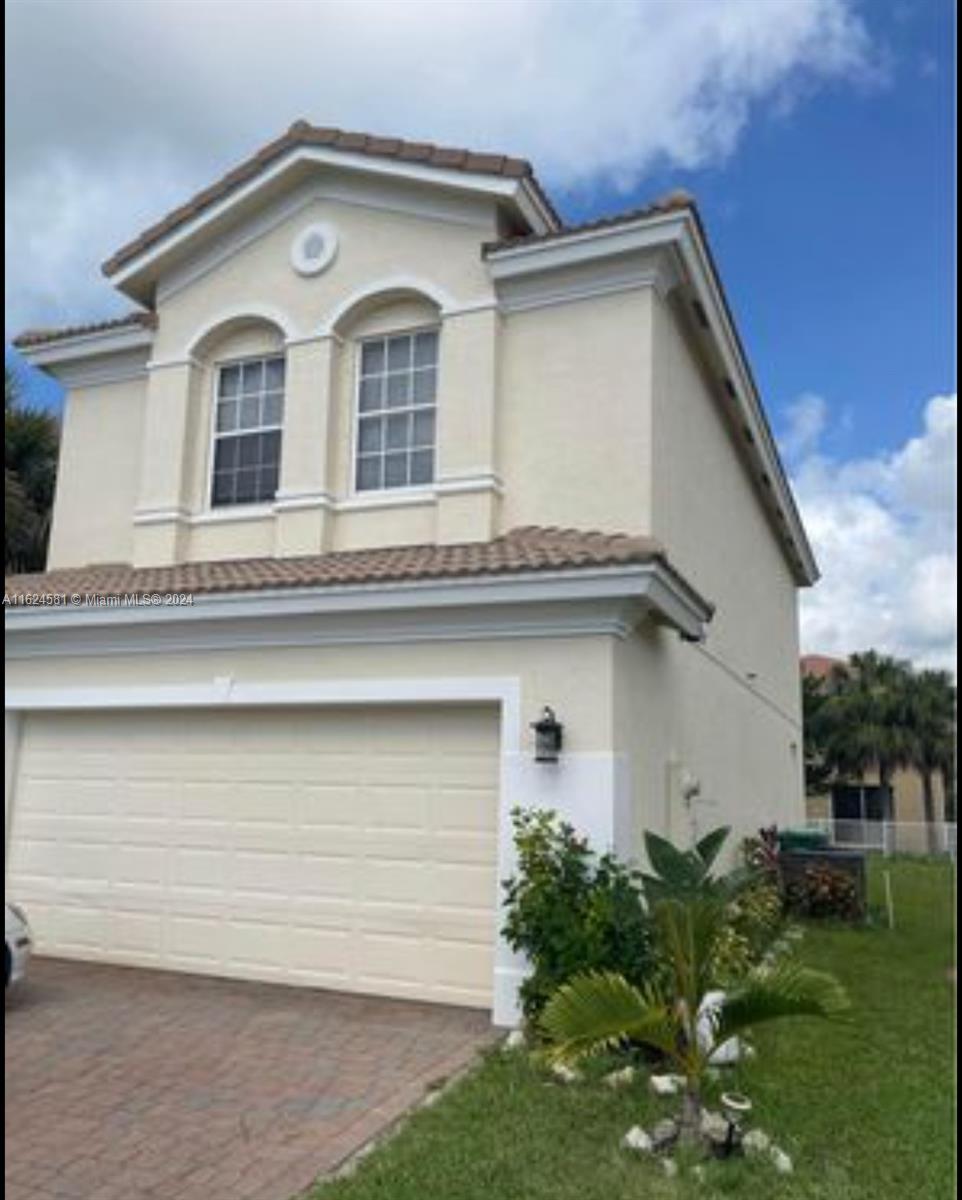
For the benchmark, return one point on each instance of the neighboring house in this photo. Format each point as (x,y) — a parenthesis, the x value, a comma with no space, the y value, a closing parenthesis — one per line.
(858,807)
(419,461)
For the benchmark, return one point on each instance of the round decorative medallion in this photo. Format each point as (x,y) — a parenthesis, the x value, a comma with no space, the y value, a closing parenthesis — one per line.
(314,249)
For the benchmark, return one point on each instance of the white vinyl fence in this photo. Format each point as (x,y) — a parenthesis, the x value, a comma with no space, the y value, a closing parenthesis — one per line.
(890,837)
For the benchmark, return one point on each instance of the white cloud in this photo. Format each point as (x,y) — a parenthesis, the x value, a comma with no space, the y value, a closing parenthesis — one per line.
(116,109)
(805,424)
(884,532)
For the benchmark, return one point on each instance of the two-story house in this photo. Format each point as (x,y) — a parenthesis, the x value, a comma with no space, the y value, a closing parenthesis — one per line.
(388,460)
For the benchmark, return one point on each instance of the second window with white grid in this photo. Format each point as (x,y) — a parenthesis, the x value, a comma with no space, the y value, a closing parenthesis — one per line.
(397,394)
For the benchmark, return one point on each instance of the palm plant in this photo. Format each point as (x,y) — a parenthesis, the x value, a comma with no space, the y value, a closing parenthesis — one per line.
(930,720)
(861,721)
(31,440)
(688,906)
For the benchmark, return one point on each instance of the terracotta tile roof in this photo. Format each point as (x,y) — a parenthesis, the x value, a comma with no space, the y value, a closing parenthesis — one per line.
(37,337)
(522,550)
(302,133)
(820,666)
(670,203)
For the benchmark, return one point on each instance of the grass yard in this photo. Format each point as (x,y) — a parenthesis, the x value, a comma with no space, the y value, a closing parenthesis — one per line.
(866,1110)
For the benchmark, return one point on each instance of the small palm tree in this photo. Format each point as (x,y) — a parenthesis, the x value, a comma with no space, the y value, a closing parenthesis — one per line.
(689,909)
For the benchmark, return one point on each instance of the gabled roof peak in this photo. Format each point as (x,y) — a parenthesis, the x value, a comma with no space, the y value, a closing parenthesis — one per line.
(303,133)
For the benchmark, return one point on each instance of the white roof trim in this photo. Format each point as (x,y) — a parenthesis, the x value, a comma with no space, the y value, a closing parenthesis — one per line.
(652,585)
(87,345)
(519,191)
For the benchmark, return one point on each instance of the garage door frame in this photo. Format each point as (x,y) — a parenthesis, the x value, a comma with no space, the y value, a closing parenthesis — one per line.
(226,693)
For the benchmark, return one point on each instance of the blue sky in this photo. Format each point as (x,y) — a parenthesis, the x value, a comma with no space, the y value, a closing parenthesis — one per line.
(817,136)
(834,232)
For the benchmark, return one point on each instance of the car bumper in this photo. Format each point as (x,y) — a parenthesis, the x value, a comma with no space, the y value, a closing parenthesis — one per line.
(20,951)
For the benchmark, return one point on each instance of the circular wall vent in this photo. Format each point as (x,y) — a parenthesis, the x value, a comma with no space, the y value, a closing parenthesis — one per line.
(313,249)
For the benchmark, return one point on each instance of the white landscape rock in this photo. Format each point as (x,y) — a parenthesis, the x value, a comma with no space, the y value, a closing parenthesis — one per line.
(666,1085)
(565,1074)
(714,1126)
(515,1040)
(670,1167)
(664,1133)
(637,1139)
(780,1161)
(756,1141)
(622,1078)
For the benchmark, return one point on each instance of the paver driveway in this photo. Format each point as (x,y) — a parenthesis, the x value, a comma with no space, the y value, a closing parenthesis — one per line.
(124,1084)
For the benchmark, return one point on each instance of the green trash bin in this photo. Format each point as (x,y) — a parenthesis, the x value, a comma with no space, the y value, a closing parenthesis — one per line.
(802,839)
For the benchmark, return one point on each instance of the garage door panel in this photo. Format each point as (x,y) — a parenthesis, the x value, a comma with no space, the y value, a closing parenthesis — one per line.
(325,876)
(333,914)
(460,887)
(132,864)
(319,949)
(467,809)
(348,848)
(132,797)
(141,933)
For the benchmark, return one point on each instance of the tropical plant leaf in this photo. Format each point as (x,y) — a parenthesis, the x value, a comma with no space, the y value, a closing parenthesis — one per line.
(786,991)
(674,866)
(707,849)
(598,1011)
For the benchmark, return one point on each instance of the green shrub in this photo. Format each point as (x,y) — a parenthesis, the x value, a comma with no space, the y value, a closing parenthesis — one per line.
(755,920)
(824,891)
(571,911)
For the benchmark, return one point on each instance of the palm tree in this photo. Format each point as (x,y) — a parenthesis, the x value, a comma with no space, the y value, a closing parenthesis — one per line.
(930,717)
(863,722)
(31,443)
(818,771)
(599,1011)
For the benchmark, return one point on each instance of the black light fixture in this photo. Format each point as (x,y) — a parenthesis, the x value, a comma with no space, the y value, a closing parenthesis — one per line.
(547,737)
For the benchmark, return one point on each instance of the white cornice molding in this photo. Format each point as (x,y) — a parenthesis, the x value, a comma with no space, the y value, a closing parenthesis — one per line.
(645,588)
(88,345)
(537,292)
(242,311)
(456,483)
(587,246)
(518,192)
(92,359)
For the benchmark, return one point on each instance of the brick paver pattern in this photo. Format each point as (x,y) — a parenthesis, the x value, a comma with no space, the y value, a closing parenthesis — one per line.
(123,1084)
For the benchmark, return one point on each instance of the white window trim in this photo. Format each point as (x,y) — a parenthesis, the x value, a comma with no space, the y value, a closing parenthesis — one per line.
(412,492)
(210,510)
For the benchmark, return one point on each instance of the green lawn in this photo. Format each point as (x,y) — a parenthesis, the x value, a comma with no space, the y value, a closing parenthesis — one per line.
(866,1110)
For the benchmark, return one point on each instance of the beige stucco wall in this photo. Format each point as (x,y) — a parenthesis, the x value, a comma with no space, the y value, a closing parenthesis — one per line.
(733,704)
(373,245)
(98,475)
(572,674)
(679,713)
(544,416)
(706,510)
(574,431)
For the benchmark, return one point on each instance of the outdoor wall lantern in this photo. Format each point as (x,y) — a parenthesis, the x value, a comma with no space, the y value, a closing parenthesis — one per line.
(547,737)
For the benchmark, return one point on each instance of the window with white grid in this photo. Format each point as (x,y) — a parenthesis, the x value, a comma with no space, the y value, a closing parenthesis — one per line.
(247,431)
(397,391)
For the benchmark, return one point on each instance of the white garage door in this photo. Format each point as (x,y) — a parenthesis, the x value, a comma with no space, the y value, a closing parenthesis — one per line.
(343,848)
